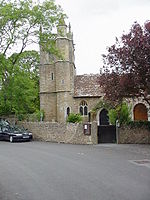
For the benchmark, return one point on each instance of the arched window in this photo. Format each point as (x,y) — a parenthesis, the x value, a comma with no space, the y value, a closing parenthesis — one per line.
(83,108)
(140,112)
(68,111)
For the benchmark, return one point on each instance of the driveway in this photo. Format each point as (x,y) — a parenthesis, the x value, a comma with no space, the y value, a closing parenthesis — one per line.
(48,171)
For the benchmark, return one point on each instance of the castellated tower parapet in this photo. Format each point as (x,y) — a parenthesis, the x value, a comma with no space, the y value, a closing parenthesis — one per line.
(57,77)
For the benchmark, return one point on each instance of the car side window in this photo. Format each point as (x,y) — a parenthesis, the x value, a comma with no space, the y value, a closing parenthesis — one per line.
(4,129)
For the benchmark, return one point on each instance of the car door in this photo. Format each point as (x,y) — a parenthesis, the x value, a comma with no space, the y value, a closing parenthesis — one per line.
(5,133)
(1,133)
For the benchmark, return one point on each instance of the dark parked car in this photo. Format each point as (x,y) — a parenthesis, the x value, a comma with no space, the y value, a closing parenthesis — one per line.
(12,133)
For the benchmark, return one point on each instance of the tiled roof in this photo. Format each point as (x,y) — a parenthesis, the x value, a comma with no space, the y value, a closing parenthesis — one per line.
(87,86)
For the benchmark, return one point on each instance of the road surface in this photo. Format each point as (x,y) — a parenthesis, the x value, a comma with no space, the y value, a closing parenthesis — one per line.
(49,171)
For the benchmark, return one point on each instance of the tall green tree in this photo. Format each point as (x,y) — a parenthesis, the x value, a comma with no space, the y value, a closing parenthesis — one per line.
(126,71)
(24,23)
(20,23)
(20,93)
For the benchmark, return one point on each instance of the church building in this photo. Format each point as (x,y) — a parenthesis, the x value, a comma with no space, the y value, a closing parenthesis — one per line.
(63,92)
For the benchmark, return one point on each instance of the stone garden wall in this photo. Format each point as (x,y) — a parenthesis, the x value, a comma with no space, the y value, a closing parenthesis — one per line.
(61,132)
(127,135)
(74,133)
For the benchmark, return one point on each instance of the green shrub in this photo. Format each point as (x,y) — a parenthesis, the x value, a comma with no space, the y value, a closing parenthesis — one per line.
(125,116)
(39,115)
(34,117)
(121,112)
(74,118)
(112,113)
(139,124)
(21,117)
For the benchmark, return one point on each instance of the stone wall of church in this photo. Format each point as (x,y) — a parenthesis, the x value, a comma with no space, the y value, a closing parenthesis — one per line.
(64,100)
(48,104)
(91,103)
(62,76)
(47,78)
(48,96)
(62,44)
(61,132)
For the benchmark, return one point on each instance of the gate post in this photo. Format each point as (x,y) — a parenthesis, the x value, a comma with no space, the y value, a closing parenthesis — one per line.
(117,131)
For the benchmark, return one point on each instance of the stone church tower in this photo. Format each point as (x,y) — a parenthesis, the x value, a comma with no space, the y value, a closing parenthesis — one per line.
(57,77)
(62,91)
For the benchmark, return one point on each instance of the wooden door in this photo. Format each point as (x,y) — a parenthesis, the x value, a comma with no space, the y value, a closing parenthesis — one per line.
(140,112)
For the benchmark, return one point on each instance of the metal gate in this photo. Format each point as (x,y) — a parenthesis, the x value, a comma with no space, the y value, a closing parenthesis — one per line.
(107,134)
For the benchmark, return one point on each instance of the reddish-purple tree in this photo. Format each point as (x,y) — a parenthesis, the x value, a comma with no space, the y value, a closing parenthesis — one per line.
(126,70)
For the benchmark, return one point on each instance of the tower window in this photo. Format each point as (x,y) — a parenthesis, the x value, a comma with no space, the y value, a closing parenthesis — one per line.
(52,76)
(68,111)
(83,108)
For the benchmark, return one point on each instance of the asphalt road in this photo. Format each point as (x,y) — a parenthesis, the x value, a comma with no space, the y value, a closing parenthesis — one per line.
(48,171)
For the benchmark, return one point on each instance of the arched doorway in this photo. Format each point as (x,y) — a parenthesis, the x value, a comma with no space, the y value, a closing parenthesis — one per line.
(106,132)
(140,112)
(103,117)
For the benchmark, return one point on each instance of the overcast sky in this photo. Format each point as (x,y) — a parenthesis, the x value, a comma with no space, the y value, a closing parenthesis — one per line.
(96,23)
